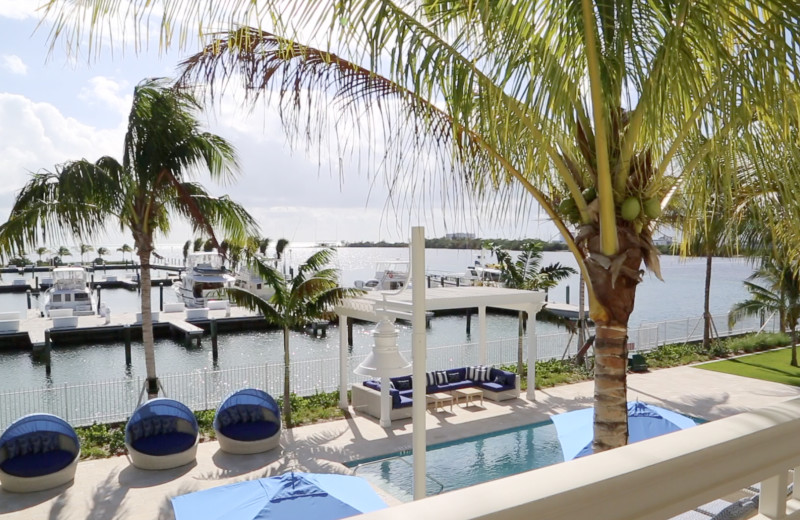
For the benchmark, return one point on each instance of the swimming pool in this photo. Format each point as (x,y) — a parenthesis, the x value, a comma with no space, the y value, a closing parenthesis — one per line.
(466,462)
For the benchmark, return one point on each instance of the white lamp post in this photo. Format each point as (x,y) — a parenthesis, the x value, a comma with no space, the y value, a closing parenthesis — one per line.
(384,362)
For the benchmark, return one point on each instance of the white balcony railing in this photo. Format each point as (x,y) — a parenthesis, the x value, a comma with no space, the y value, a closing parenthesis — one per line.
(650,480)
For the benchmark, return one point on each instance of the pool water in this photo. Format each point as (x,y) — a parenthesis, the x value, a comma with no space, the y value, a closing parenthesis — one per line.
(467,462)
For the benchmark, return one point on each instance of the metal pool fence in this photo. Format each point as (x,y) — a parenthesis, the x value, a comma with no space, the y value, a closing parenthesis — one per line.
(111,401)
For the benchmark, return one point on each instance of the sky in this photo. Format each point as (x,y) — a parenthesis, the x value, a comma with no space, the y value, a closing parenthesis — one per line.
(55,107)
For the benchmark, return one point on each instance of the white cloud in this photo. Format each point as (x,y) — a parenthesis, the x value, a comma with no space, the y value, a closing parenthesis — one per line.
(14,64)
(108,92)
(18,9)
(42,137)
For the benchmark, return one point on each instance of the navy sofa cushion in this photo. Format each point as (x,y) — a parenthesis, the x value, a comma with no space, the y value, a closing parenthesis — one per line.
(164,444)
(402,383)
(404,402)
(38,464)
(252,431)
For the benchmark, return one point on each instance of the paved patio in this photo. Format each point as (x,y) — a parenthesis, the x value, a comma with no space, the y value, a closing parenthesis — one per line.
(113,489)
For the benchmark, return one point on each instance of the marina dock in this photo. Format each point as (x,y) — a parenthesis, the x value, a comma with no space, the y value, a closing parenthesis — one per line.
(34,329)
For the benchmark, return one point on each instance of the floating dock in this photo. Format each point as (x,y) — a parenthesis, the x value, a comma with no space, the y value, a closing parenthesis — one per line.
(33,328)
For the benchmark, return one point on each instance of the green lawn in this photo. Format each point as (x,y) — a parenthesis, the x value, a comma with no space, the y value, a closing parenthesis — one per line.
(768,366)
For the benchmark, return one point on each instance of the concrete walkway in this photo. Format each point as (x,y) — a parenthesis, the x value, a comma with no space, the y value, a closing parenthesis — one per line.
(113,489)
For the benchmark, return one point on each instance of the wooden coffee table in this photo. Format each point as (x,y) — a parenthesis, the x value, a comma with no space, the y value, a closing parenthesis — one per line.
(439,400)
(469,395)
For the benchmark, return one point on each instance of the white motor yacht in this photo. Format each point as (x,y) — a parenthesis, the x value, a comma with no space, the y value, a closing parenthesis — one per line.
(69,290)
(389,276)
(204,279)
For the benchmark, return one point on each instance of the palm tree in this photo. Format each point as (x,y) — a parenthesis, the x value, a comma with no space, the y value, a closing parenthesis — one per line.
(528,274)
(41,250)
(125,249)
(599,111)
(164,146)
(102,251)
(85,248)
(780,293)
(62,252)
(308,296)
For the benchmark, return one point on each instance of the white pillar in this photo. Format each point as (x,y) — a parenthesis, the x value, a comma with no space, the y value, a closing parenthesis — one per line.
(386,403)
(532,354)
(343,372)
(418,352)
(482,336)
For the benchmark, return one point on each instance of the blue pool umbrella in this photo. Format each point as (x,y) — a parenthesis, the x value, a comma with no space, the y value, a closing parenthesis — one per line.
(292,496)
(575,429)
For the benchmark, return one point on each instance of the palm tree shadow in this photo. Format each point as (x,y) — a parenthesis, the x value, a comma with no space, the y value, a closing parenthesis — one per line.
(133,477)
(12,502)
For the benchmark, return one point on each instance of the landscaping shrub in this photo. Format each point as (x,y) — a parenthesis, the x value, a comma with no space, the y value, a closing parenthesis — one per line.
(101,440)
(757,342)
(322,406)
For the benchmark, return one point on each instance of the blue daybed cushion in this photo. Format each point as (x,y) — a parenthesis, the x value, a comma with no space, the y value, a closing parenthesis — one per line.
(250,431)
(164,443)
(38,464)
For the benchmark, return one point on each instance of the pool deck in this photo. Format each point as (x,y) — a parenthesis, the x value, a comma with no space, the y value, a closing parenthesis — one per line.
(113,489)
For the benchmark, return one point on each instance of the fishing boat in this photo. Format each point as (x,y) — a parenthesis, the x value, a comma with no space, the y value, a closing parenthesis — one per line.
(389,276)
(204,279)
(69,289)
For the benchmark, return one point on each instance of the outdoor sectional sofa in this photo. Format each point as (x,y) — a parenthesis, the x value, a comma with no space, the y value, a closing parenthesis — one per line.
(497,385)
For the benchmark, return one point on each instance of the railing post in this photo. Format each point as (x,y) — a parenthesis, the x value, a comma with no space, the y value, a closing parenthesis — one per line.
(205,388)
(772,503)
(66,403)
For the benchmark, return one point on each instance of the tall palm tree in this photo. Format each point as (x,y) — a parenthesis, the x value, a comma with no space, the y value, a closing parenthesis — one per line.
(41,250)
(102,251)
(85,248)
(125,248)
(594,108)
(62,252)
(780,293)
(164,146)
(308,296)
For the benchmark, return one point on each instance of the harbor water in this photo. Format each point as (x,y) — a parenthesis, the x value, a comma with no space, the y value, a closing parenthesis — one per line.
(680,295)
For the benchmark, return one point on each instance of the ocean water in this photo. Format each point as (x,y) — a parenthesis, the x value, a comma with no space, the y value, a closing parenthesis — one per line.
(680,295)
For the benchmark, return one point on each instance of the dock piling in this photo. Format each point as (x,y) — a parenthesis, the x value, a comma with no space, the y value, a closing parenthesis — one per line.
(28,294)
(127,336)
(161,297)
(349,332)
(99,297)
(214,351)
(469,321)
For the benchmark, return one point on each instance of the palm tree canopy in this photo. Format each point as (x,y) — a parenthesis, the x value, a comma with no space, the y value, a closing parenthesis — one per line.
(163,146)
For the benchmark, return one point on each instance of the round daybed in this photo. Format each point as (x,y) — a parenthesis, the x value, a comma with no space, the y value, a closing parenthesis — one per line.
(248,421)
(38,451)
(162,434)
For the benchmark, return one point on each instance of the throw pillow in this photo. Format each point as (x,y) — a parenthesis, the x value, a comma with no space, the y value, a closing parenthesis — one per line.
(11,449)
(441,378)
(499,379)
(481,373)
(430,378)
(403,384)
(471,373)
(453,377)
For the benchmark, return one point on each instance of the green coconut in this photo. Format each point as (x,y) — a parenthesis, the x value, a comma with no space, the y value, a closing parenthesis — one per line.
(652,208)
(630,209)
(567,206)
(589,194)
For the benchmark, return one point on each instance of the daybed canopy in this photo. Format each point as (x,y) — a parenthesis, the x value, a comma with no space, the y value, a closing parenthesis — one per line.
(248,421)
(37,452)
(162,434)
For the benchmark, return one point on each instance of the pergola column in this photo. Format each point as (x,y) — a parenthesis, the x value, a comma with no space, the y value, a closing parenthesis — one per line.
(482,336)
(532,353)
(343,368)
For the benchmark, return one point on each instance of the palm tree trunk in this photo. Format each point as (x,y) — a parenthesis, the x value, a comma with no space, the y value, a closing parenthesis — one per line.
(610,310)
(706,312)
(287,403)
(147,323)
(794,346)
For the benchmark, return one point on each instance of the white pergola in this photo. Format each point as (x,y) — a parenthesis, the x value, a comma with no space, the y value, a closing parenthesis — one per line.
(374,305)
